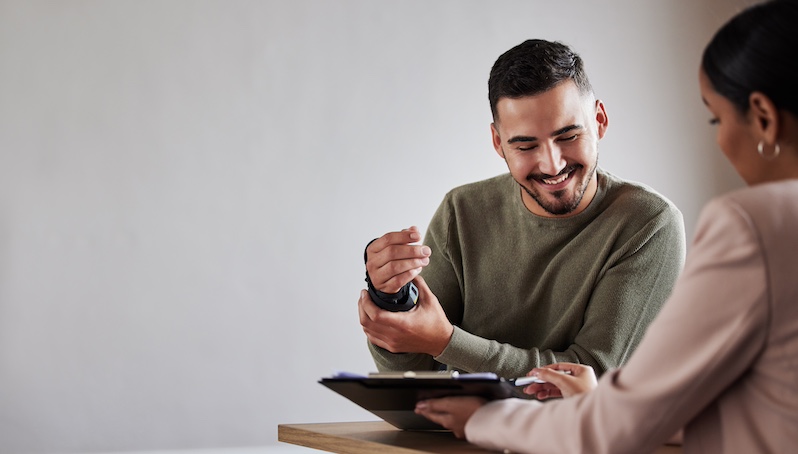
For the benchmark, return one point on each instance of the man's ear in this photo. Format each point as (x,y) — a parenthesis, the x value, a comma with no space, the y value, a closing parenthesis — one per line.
(602,121)
(497,140)
(764,117)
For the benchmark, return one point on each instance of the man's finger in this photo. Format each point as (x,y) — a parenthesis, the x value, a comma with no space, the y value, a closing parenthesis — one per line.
(405,236)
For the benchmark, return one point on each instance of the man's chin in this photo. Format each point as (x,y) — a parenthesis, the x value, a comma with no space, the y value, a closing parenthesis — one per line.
(557,203)
(559,209)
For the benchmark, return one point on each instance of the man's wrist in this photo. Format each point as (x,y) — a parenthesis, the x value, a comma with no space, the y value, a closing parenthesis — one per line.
(444,341)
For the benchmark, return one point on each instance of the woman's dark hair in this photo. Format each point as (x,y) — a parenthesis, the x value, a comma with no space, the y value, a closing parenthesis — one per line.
(757,50)
(533,67)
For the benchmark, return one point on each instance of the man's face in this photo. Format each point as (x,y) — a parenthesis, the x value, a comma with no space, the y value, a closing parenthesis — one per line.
(550,144)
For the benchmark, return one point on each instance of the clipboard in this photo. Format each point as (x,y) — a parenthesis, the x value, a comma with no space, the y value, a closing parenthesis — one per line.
(393,398)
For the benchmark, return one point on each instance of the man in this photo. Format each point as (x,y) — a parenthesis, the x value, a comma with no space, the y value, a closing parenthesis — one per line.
(556,261)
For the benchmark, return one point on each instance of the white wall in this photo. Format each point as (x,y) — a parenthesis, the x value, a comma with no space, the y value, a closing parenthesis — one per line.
(186,188)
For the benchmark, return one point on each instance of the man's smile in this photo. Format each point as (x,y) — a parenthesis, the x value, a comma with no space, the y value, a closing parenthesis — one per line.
(557,182)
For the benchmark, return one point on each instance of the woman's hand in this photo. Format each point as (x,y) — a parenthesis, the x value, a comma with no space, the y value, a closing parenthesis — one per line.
(558,381)
(451,412)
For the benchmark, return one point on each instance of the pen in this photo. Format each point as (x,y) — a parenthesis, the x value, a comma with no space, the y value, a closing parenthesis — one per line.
(524,381)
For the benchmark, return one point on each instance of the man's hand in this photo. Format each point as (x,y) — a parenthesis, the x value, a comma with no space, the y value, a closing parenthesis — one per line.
(451,412)
(582,379)
(423,329)
(393,261)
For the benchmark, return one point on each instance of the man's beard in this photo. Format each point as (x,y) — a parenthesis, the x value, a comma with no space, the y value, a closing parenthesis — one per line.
(562,204)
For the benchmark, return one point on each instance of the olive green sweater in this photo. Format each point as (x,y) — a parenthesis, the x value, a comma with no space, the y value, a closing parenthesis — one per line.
(523,291)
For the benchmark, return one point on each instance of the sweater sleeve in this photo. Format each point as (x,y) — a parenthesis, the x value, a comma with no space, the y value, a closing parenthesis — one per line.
(706,337)
(624,300)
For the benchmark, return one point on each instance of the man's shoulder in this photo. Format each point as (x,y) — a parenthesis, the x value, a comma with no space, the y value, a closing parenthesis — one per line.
(498,181)
(632,197)
(490,189)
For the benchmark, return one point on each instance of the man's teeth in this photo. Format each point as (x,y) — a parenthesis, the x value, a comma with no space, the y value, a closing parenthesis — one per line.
(556,180)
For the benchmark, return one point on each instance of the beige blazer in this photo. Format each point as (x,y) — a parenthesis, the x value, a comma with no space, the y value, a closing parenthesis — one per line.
(720,360)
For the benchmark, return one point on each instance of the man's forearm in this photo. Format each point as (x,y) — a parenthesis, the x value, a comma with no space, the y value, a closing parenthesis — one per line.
(387,361)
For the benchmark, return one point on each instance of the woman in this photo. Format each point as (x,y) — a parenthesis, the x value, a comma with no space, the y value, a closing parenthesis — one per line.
(721,359)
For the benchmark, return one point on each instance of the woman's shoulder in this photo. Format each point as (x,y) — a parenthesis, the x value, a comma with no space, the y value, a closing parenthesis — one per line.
(769,211)
(763,201)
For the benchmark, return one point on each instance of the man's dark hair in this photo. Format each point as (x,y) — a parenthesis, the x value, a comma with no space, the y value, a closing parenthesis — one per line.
(755,51)
(533,67)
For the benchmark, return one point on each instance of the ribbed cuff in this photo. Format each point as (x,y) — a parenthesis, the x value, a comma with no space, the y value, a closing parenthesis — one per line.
(464,351)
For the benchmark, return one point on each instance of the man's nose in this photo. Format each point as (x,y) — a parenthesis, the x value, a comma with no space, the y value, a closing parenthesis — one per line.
(551,160)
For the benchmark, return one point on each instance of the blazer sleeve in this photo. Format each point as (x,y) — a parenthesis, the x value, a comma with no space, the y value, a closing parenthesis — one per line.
(709,332)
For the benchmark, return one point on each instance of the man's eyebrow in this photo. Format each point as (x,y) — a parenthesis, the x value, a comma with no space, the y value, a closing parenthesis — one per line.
(522,139)
(566,129)
(553,134)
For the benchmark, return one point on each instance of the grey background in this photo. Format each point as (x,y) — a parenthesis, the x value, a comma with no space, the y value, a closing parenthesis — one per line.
(186,188)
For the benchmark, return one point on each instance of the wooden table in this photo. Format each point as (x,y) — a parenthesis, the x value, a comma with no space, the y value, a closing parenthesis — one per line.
(383,438)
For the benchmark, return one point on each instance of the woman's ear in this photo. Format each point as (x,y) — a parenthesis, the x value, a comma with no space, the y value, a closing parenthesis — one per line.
(765,117)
